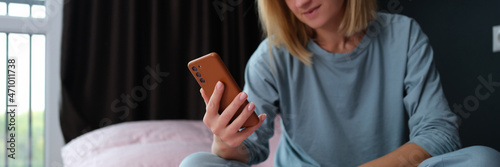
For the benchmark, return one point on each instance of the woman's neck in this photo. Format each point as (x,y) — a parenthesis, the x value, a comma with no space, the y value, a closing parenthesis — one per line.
(332,41)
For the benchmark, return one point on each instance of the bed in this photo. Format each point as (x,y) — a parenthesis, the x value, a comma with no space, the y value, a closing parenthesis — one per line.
(146,143)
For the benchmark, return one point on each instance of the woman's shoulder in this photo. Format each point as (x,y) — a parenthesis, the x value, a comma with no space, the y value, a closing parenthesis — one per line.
(266,46)
(263,53)
(394,22)
(391,18)
(396,27)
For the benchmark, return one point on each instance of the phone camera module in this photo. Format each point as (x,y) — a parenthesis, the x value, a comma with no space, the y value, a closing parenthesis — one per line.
(194,68)
(198,74)
(202,80)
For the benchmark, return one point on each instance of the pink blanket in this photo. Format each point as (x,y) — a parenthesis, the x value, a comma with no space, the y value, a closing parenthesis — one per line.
(145,143)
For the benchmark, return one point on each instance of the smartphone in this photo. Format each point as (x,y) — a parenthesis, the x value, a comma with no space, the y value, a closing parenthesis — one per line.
(208,70)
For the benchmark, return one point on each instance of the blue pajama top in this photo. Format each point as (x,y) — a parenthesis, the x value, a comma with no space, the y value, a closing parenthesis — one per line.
(350,108)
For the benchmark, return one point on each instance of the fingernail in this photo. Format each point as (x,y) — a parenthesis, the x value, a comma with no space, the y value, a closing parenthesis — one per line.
(251,106)
(264,117)
(243,96)
(219,85)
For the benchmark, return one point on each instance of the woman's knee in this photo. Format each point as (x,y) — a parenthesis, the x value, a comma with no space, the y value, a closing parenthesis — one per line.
(196,159)
(465,157)
(202,159)
(483,155)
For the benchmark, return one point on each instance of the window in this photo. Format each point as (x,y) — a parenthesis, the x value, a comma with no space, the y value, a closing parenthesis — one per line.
(29,85)
(23,8)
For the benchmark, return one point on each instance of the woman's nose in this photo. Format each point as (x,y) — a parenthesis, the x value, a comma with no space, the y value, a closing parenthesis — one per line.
(302,3)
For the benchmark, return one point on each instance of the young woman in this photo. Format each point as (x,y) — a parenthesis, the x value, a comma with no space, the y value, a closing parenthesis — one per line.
(353,87)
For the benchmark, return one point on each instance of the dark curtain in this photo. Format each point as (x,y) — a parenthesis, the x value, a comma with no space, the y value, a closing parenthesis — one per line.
(125,60)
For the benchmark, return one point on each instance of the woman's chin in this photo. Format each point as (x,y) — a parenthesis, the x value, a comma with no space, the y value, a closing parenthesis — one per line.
(314,25)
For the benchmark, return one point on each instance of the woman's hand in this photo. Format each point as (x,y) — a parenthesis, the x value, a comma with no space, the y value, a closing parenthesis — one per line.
(228,138)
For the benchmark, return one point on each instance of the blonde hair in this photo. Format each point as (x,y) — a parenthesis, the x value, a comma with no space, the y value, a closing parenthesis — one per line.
(281,27)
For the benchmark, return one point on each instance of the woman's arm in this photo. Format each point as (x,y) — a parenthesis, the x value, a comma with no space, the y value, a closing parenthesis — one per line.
(238,153)
(408,154)
(433,127)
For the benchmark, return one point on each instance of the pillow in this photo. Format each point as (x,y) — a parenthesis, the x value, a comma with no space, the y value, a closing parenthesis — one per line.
(146,143)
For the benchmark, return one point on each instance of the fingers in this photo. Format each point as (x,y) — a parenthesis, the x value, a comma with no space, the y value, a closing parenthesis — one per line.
(234,138)
(213,103)
(245,133)
(229,112)
(242,118)
(229,134)
(204,95)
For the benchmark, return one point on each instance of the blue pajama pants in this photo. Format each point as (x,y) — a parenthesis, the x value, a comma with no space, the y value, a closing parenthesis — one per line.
(474,156)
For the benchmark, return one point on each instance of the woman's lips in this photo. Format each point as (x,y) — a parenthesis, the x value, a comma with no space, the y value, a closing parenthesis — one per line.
(311,12)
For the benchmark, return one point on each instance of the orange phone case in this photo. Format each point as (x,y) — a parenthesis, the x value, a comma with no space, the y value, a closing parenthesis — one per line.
(209,69)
